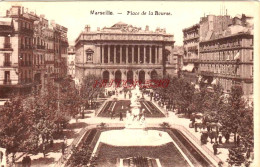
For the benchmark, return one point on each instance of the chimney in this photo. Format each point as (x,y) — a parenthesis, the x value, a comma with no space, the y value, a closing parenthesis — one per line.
(7,12)
(146,28)
(87,28)
(164,30)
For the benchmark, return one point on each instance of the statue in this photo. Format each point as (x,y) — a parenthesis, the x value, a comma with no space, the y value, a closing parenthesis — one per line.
(135,118)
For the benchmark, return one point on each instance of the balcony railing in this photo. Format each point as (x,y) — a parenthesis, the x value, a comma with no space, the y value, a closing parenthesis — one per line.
(40,47)
(7,64)
(26,30)
(7,45)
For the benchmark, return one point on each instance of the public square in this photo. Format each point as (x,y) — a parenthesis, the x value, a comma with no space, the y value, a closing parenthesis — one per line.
(120,86)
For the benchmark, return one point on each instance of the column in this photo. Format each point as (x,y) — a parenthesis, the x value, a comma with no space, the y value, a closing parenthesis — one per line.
(114,54)
(156,54)
(102,50)
(160,55)
(144,54)
(97,55)
(126,52)
(132,53)
(150,56)
(108,53)
(138,52)
(121,52)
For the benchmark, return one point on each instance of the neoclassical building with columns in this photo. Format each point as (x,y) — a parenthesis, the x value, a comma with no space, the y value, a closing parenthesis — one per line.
(125,52)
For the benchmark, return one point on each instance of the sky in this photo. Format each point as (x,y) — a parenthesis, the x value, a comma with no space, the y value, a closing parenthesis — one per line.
(183,14)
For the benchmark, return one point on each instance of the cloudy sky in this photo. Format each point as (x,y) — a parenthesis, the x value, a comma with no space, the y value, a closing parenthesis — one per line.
(75,15)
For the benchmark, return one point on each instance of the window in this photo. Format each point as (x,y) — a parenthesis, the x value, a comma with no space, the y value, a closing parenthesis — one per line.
(251,55)
(252,71)
(7,77)
(89,55)
(7,62)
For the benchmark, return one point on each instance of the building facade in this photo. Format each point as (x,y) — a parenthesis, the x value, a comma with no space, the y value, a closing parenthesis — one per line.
(71,61)
(191,37)
(125,52)
(26,41)
(228,61)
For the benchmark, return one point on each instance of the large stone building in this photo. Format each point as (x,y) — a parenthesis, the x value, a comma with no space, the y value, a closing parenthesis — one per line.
(228,59)
(209,27)
(27,46)
(125,52)
(191,37)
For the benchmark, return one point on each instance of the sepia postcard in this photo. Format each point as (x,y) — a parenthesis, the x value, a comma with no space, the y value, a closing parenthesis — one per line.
(129,84)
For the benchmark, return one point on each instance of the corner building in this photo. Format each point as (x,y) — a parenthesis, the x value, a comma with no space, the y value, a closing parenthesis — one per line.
(125,52)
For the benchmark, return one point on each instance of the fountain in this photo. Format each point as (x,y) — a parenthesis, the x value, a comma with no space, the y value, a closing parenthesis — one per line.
(135,118)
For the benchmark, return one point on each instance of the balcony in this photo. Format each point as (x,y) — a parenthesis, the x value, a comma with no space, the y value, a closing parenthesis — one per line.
(190,60)
(7,64)
(28,47)
(207,73)
(7,82)
(7,46)
(40,47)
(26,30)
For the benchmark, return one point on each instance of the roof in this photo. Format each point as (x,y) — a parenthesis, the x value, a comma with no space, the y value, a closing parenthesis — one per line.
(229,36)
(119,24)
(191,27)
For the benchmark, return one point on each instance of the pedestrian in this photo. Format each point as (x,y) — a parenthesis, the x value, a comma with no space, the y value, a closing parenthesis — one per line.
(65,140)
(121,116)
(202,138)
(82,114)
(227,136)
(24,162)
(220,139)
(196,126)
(51,142)
(215,148)
(208,128)
(112,114)
(44,150)
(1,156)
(216,136)
(63,146)
(29,161)
(238,140)
(248,153)
(125,95)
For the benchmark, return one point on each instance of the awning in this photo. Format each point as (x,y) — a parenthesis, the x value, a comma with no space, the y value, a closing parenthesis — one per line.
(214,82)
(5,21)
(237,56)
(188,67)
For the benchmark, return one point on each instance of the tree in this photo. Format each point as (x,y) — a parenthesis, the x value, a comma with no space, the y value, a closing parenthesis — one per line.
(69,97)
(238,120)
(82,157)
(14,127)
(90,88)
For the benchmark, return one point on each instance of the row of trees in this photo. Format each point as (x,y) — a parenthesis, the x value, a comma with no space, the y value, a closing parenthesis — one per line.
(230,110)
(29,123)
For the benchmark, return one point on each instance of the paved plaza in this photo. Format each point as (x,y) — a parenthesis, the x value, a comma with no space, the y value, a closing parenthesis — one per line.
(54,158)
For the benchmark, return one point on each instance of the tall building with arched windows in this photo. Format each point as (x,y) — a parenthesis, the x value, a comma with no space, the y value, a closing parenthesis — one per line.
(125,52)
